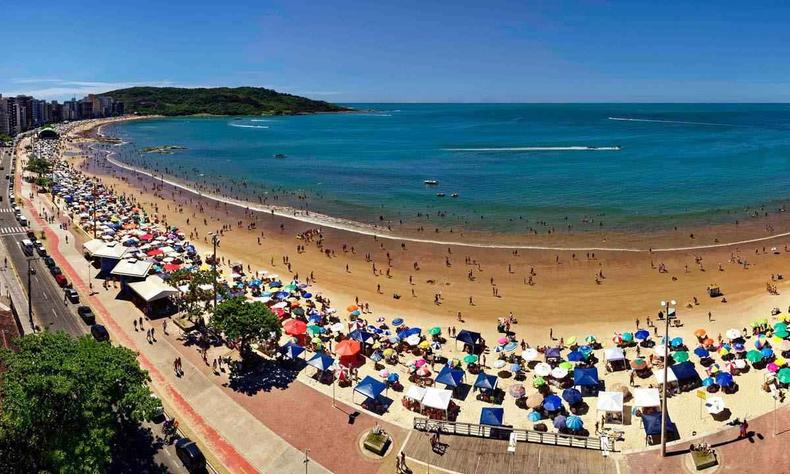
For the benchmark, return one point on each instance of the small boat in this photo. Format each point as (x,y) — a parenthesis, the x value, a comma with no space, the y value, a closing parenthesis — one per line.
(280,156)
(431,182)
(441,195)
(455,195)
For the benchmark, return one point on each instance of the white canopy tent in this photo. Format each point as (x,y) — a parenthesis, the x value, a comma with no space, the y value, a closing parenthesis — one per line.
(92,246)
(615,359)
(612,404)
(437,398)
(416,393)
(646,397)
(659,375)
(152,289)
(132,268)
(112,250)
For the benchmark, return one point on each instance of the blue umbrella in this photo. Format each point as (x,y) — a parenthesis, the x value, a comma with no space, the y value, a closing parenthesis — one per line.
(534,416)
(559,422)
(739,346)
(586,350)
(707,382)
(355,313)
(515,368)
(397,322)
(767,352)
(574,423)
(552,403)
(281,294)
(575,356)
(642,334)
(724,379)
(307,295)
(314,318)
(393,378)
(572,396)
(701,352)
(677,341)
(275,284)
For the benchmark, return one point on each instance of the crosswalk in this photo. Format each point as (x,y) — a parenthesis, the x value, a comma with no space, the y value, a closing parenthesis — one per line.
(12,230)
(7,210)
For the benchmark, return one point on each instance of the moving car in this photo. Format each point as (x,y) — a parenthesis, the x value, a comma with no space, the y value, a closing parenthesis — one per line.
(72,295)
(189,453)
(100,333)
(87,315)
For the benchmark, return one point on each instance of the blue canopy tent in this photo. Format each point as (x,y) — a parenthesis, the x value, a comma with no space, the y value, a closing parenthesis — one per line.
(450,377)
(651,422)
(321,362)
(587,379)
(469,337)
(492,416)
(686,374)
(553,354)
(370,388)
(291,350)
(485,381)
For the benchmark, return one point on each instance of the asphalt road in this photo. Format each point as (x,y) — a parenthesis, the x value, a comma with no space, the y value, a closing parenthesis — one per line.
(138,451)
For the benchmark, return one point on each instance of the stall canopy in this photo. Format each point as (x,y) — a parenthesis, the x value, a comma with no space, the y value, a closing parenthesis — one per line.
(416,392)
(652,424)
(486,381)
(614,353)
(321,362)
(610,401)
(437,398)
(468,337)
(291,350)
(646,397)
(92,246)
(586,377)
(370,387)
(152,289)
(685,372)
(112,250)
(132,268)
(492,416)
(450,377)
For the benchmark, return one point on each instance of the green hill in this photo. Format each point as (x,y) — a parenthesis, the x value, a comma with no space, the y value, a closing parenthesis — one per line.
(217,101)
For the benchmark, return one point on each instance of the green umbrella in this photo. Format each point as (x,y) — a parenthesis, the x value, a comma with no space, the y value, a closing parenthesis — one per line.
(470,358)
(680,356)
(435,331)
(590,339)
(780,326)
(784,375)
(781,334)
(754,356)
(567,365)
(628,337)
(314,329)
(538,382)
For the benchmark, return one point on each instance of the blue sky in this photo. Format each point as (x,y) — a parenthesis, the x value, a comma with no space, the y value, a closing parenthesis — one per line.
(456,51)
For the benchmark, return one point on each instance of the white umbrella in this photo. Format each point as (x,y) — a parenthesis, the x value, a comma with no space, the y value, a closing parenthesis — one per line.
(337,327)
(559,373)
(660,350)
(733,333)
(499,364)
(529,354)
(542,369)
(739,363)
(413,340)
(714,405)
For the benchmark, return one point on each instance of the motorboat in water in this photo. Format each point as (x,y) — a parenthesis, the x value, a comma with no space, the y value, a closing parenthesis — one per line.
(455,195)
(280,156)
(441,195)
(431,182)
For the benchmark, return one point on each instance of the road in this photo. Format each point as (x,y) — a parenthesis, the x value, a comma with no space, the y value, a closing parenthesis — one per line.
(137,451)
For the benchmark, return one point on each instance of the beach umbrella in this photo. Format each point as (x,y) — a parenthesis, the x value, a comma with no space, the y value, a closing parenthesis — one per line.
(783,375)
(538,382)
(470,358)
(388,352)
(420,362)
(767,352)
(295,327)
(780,361)
(754,356)
(772,367)
(566,365)
(733,333)
(559,373)
(517,391)
(572,396)
(413,340)
(760,341)
(424,371)
(534,416)
(701,352)
(590,339)
(708,342)
(724,379)
(780,326)
(314,329)
(781,334)
(384,373)
(676,342)
(680,356)
(552,403)
(353,313)
(542,369)
(570,341)
(638,364)
(349,308)
(499,364)
(739,363)
(435,331)
(510,346)
(397,322)
(575,356)
(502,340)
(529,354)
(534,401)
(574,423)
(700,333)
(660,350)
(347,348)
(559,422)
(714,405)
(424,345)
(642,334)
(392,378)
(739,347)
(627,337)
(708,381)
(586,350)
(515,368)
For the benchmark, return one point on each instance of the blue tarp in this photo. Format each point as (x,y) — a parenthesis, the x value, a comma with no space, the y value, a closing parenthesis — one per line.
(450,377)
(486,381)
(291,350)
(321,361)
(553,353)
(585,376)
(492,416)
(370,387)
(652,424)
(468,337)
(685,371)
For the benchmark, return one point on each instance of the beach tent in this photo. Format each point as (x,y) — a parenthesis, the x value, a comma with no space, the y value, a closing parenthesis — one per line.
(152,289)
(468,337)
(492,416)
(485,381)
(651,422)
(646,397)
(553,354)
(416,393)
(321,362)
(132,268)
(659,375)
(686,374)
(437,398)
(450,377)
(291,350)
(611,403)
(615,359)
(586,379)
(92,246)
(370,388)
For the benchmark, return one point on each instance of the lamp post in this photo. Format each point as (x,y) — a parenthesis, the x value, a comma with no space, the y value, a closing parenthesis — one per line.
(306,459)
(215,242)
(668,307)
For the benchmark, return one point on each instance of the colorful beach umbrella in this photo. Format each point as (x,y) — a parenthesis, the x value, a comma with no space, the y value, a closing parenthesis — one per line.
(708,381)
(576,356)
(470,358)
(534,416)
(570,341)
(572,396)
(627,337)
(529,353)
(397,322)
(566,365)
(559,422)
(767,352)
(574,423)
(638,364)
(552,403)
(435,331)
(701,352)
(590,339)
(754,356)
(642,334)
(700,333)
(517,391)
(676,342)
(538,382)
(784,375)
(724,379)
(680,356)
(295,327)
(733,333)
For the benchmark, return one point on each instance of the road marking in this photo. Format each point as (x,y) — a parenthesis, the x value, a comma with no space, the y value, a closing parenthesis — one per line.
(12,230)
(6,209)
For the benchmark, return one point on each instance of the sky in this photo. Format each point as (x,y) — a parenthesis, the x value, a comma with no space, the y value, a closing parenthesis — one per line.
(405,51)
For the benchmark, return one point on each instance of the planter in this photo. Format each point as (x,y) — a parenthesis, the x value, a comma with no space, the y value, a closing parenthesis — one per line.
(377,443)
(703,461)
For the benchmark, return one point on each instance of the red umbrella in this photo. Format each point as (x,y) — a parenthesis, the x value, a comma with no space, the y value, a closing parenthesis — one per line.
(347,348)
(154,252)
(146,237)
(294,327)
(171,267)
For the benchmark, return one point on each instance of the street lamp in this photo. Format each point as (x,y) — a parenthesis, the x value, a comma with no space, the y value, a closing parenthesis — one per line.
(215,242)
(669,308)
(306,459)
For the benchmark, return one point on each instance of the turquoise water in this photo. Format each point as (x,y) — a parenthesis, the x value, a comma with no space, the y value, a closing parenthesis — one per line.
(511,163)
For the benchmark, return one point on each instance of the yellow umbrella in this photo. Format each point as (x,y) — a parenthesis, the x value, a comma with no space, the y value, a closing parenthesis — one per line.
(316,340)
(376,345)
(723,351)
(780,361)
(571,340)
(424,345)
(388,352)
(783,316)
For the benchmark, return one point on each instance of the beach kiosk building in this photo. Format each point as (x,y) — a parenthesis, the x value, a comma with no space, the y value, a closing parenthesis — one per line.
(153,294)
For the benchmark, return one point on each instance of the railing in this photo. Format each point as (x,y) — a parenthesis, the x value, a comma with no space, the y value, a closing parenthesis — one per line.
(503,432)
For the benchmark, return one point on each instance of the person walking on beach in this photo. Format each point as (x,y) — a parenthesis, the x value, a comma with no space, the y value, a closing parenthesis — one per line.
(744,432)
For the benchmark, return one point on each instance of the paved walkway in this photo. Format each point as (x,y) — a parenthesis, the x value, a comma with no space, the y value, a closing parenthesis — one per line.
(226,421)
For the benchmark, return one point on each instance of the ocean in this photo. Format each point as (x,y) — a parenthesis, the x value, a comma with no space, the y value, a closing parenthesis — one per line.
(629,166)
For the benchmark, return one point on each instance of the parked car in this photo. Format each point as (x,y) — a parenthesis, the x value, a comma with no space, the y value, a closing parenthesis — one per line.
(100,333)
(55,270)
(42,251)
(87,315)
(49,262)
(72,295)
(61,280)
(190,454)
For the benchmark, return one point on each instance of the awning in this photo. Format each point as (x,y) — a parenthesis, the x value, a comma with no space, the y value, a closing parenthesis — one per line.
(152,289)
(129,268)
(614,353)
(416,392)
(610,401)
(92,246)
(370,387)
(659,375)
(646,397)
(437,398)
(492,416)
(113,250)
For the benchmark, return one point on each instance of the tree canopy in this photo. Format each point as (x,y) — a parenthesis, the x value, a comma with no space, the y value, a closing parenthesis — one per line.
(38,165)
(246,322)
(63,401)
(217,101)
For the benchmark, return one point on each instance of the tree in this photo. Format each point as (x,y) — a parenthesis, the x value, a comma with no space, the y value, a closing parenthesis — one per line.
(246,322)
(63,401)
(39,165)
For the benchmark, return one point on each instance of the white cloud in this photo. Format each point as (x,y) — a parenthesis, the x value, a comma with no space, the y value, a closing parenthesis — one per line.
(61,88)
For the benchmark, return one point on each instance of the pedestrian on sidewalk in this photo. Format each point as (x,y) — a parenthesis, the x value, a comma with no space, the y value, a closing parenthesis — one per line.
(141,322)
(153,333)
(744,429)
(214,364)
(164,327)
(135,325)
(175,366)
